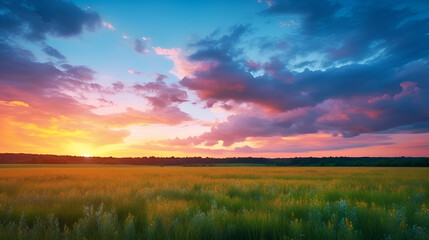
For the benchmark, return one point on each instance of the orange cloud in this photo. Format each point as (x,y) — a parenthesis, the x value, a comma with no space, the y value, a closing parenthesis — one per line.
(54,124)
(39,131)
(14,104)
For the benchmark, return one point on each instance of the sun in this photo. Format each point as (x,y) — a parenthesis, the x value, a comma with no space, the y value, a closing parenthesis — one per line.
(86,155)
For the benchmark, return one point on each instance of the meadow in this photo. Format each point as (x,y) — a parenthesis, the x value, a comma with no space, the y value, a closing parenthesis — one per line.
(135,202)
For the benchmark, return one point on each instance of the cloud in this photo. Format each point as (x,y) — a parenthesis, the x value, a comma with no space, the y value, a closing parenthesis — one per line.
(43,127)
(314,15)
(315,142)
(134,72)
(42,105)
(348,118)
(118,86)
(239,127)
(140,46)
(269,3)
(14,104)
(161,95)
(408,88)
(305,145)
(53,52)
(288,24)
(369,83)
(109,25)
(36,19)
(183,67)
(18,68)
(46,119)
(79,72)
(26,80)
(355,31)
(348,75)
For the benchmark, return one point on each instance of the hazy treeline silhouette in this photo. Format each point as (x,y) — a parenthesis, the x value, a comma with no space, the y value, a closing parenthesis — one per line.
(20,158)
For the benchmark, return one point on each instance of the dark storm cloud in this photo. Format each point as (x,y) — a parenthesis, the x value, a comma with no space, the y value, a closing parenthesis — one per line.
(373,76)
(34,19)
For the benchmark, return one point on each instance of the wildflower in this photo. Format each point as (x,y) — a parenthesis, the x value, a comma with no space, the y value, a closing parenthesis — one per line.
(348,223)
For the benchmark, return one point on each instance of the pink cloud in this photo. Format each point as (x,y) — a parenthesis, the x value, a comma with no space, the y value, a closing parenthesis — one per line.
(109,25)
(183,67)
(125,37)
(170,52)
(408,88)
(378,98)
(45,108)
(335,111)
(131,71)
(47,123)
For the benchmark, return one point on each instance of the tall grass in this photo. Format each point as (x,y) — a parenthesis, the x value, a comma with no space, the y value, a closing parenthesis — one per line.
(90,202)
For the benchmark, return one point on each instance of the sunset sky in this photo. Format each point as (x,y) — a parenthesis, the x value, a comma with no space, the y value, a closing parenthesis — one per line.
(279,78)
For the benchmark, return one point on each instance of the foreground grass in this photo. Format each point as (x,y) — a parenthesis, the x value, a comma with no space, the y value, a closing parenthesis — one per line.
(109,202)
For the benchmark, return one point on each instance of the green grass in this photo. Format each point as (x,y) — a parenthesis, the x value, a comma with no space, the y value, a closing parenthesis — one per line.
(134,202)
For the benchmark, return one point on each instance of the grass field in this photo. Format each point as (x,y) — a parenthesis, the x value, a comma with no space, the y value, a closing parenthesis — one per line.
(122,202)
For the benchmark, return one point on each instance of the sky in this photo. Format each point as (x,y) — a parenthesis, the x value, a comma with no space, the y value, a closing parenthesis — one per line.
(261,78)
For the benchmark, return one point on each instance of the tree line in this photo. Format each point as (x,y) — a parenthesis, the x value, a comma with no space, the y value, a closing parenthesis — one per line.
(21,158)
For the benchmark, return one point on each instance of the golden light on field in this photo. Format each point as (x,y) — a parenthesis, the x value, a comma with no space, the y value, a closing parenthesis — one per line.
(110,202)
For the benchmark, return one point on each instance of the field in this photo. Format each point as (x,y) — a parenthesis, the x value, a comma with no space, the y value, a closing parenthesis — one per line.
(124,202)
